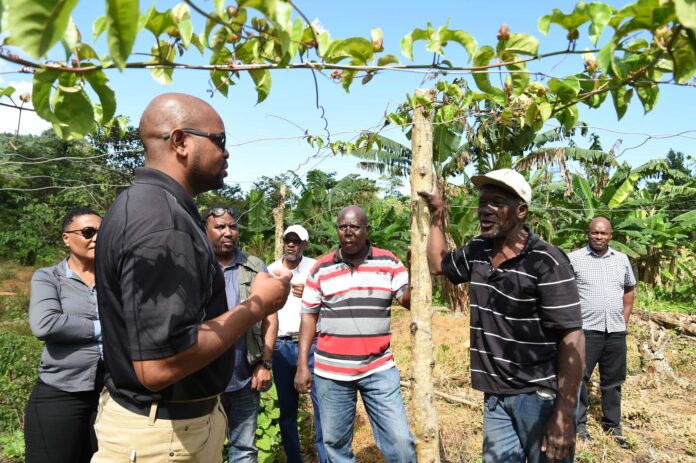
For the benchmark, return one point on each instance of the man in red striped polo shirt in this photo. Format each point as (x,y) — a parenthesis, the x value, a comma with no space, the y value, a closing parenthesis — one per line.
(351,289)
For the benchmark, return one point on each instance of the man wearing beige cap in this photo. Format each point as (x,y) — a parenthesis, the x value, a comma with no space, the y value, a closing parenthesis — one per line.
(527,345)
(295,241)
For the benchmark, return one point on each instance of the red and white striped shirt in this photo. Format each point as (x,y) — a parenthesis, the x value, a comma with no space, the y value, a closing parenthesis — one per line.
(354,305)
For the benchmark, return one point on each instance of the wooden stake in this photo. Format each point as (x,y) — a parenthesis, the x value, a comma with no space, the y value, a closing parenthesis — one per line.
(422,359)
(278,215)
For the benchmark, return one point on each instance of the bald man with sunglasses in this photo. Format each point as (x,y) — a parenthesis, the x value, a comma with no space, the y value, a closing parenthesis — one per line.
(166,326)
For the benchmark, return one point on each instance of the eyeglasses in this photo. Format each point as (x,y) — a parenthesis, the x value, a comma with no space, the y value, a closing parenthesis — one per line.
(288,240)
(87,232)
(220,211)
(218,138)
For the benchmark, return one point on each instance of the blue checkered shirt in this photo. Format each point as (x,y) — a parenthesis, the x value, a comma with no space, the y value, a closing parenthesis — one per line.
(601,282)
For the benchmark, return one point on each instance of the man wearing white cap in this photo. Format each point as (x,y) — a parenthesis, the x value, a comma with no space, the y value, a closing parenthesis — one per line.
(295,241)
(527,345)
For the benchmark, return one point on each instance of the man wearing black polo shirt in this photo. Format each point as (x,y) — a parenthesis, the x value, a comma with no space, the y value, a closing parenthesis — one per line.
(527,345)
(166,326)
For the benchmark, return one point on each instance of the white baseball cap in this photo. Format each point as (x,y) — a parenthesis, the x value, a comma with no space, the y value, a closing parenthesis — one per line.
(507,179)
(299,230)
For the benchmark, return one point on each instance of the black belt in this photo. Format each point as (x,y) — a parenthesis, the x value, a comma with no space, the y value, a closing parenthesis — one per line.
(293,338)
(171,410)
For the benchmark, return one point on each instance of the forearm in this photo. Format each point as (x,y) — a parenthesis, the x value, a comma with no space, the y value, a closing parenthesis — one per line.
(308,330)
(437,243)
(628,300)
(269,331)
(570,366)
(214,337)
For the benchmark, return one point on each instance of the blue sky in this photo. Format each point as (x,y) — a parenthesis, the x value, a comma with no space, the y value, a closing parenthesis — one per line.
(265,139)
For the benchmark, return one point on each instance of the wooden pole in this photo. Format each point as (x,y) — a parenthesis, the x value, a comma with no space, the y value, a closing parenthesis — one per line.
(422,359)
(278,215)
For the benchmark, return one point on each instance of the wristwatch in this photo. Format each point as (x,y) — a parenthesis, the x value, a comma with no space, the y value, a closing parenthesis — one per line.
(267,364)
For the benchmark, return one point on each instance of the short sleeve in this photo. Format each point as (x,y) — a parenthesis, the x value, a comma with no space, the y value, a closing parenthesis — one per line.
(162,314)
(399,278)
(456,265)
(312,296)
(629,278)
(559,300)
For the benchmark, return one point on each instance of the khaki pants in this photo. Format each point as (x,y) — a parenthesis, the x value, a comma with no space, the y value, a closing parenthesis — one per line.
(124,436)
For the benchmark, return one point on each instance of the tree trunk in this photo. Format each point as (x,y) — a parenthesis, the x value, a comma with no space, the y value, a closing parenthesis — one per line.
(278,214)
(422,363)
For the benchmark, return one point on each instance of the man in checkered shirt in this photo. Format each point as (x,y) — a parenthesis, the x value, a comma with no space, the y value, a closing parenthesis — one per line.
(607,289)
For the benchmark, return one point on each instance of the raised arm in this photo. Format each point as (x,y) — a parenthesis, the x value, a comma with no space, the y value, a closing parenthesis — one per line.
(437,243)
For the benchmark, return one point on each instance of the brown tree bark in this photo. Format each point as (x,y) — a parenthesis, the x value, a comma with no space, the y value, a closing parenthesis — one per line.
(422,358)
(278,215)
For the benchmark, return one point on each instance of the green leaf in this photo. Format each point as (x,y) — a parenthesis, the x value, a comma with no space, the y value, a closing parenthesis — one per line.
(262,79)
(85,52)
(648,96)
(41,92)
(408,39)
(567,21)
(121,28)
(263,421)
(279,12)
(621,97)
(386,60)
(36,25)
(221,79)
(523,44)
(566,89)
(684,61)
(600,14)
(219,7)
(186,32)
(357,48)
(159,22)
(107,97)
(568,117)
(605,57)
(544,24)
(686,13)
(582,189)
(624,191)
(71,38)
(519,78)
(461,37)
(483,57)
(73,115)
(6,91)
(264,443)
(687,219)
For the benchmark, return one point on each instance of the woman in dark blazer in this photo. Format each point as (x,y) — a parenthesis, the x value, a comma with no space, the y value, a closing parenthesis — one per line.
(59,419)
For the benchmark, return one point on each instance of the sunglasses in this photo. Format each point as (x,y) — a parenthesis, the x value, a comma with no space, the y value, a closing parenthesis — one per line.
(218,138)
(87,232)
(220,211)
(288,240)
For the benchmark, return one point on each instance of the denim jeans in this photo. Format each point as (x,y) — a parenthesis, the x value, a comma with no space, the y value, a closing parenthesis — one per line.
(381,395)
(242,408)
(284,369)
(513,426)
(609,350)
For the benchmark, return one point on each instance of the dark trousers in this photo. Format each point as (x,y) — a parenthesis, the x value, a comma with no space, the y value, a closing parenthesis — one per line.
(609,350)
(59,425)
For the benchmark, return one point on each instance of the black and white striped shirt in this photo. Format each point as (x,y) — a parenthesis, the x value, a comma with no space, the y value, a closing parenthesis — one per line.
(518,313)
(601,283)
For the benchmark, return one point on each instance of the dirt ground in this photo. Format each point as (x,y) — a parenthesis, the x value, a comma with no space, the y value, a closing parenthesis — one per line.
(659,417)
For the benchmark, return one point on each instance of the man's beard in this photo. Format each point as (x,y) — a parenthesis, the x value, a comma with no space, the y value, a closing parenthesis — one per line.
(293,258)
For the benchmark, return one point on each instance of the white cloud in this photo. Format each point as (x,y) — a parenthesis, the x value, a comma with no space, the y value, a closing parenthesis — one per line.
(9,117)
